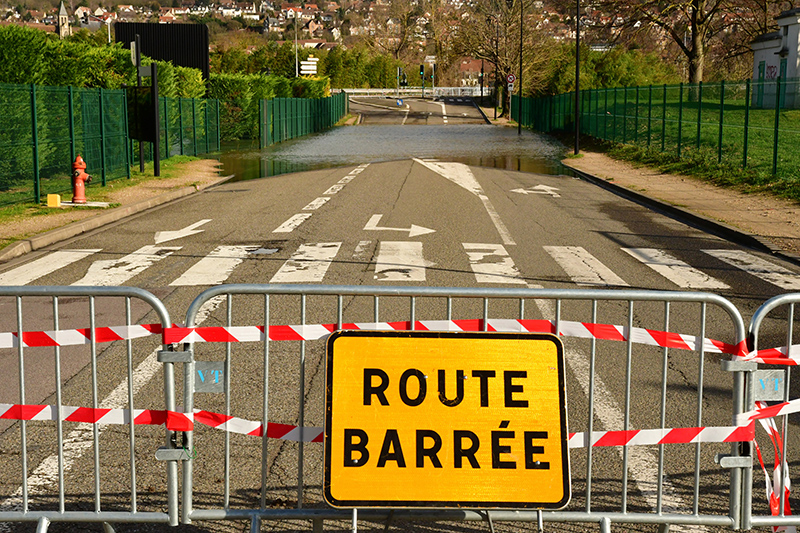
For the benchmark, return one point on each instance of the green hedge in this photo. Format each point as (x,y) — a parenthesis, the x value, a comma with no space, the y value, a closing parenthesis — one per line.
(239,95)
(30,56)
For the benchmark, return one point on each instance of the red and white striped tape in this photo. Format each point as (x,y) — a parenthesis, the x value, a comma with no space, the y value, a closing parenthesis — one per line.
(769,411)
(175,421)
(566,328)
(647,437)
(256,429)
(177,334)
(785,355)
(780,474)
(72,337)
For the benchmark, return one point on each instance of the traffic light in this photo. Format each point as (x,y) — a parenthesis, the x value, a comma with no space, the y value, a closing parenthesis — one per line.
(433,70)
(422,71)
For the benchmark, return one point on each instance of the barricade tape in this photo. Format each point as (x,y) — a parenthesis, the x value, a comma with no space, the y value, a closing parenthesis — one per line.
(72,337)
(780,474)
(178,334)
(776,356)
(175,421)
(769,411)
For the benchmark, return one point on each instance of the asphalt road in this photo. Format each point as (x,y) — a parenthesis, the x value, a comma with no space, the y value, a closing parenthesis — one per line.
(416,111)
(409,223)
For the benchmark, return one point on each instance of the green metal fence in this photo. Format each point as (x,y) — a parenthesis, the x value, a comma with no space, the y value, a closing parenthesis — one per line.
(189,126)
(43,129)
(749,124)
(281,119)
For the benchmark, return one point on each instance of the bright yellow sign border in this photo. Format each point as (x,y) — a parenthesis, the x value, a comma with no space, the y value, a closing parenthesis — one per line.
(446,419)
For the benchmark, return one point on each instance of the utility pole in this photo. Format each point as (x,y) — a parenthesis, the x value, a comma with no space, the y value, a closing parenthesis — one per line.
(577,76)
(519,98)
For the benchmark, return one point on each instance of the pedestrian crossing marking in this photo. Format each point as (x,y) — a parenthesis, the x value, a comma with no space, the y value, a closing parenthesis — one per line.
(291,224)
(112,272)
(214,268)
(582,267)
(769,272)
(396,261)
(317,203)
(678,272)
(43,266)
(308,264)
(400,261)
(492,264)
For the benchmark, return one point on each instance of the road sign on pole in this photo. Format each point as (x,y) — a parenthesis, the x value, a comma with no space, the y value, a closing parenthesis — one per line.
(511,78)
(309,66)
(445,419)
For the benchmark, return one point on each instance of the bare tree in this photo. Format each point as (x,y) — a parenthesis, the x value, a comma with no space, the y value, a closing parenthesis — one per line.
(690,24)
(392,26)
(491,31)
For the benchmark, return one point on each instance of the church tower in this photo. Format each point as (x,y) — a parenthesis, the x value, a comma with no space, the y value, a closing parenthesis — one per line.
(63,28)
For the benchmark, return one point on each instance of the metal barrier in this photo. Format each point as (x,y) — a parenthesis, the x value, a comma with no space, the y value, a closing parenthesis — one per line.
(628,484)
(784,323)
(62,371)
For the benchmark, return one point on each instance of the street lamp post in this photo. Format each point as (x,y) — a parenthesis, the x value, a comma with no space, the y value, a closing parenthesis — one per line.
(577,76)
(519,98)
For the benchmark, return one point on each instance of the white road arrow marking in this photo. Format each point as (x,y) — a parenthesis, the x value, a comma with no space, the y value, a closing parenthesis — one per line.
(539,189)
(413,231)
(164,236)
(461,175)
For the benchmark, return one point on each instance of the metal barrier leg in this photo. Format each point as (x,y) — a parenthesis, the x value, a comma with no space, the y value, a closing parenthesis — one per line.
(489,519)
(42,525)
(663,528)
(388,523)
(318,525)
(108,528)
(605,525)
(255,524)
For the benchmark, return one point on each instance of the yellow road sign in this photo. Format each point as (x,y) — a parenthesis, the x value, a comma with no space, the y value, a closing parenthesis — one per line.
(445,419)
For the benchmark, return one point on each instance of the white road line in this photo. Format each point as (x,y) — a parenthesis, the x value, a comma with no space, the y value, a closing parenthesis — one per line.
(308,264)
(360,253)
(492,264)
(43,266)
(444,112)
(642,461)
(678,272)
(400,261)
(214,268)
(317,203)
(769,272)
(461,175)
(292,224)
(582,267)
(44,477)
(112,272)
(334,188)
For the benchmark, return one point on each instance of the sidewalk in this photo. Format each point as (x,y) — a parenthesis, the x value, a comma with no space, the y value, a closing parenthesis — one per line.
(756,220)
(34,231)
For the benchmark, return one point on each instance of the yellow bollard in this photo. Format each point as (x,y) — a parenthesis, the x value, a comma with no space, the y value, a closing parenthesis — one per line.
(53,200)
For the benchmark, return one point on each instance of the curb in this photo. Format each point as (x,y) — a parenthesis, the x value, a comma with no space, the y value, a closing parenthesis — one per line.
(82,226)
(701,222)
(480,110)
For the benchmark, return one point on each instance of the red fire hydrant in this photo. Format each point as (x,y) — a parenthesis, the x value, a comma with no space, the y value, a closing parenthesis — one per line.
(79,178)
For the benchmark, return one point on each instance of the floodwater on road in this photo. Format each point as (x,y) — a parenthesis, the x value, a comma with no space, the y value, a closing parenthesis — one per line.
(477,145)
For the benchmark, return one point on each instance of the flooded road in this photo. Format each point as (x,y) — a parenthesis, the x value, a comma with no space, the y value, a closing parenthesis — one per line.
(477,145)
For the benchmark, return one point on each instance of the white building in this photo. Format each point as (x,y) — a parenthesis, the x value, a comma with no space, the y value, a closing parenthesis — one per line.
(776,55)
